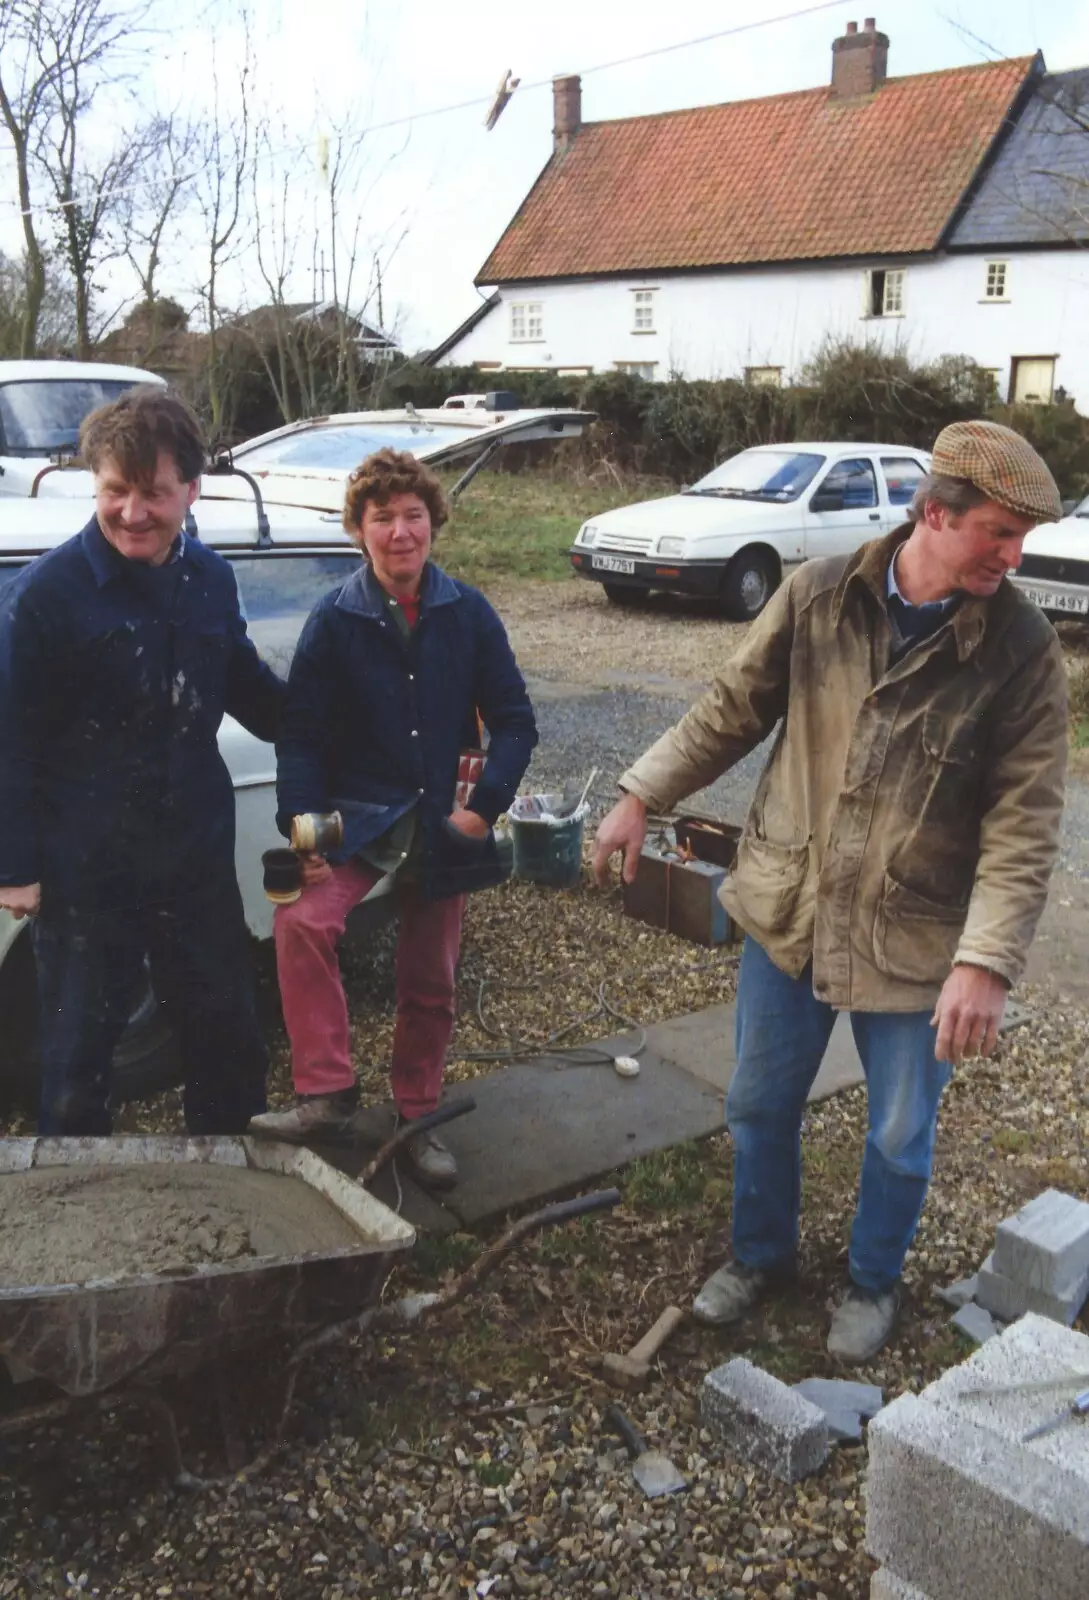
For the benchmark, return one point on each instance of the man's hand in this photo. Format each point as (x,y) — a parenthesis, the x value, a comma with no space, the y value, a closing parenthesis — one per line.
(470,823)
(624,828)
(25,901)
(315,868)
(969,1011)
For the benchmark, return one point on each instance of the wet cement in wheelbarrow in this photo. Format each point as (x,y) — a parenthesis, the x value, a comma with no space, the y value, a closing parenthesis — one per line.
(61,1225)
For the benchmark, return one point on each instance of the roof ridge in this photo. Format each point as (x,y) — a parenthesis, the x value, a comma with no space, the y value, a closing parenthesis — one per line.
(1021,62)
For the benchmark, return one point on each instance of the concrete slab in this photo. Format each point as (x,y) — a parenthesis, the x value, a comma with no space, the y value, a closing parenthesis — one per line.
(545,1126)
(702,1043)
(1009,1298)
(1045,1245)
(959,1503)
(975,1323)
(758,1419)
(885,1585)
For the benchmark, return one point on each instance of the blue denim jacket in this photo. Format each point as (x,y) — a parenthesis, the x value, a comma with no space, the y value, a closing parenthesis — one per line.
(114,678)
(375,722)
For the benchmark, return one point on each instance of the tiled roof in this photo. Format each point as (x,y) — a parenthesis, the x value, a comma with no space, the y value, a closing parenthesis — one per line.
(792,177)
(1037,190)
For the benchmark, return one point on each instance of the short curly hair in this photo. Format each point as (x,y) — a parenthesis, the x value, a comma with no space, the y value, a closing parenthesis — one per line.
(132,430)
(389,472)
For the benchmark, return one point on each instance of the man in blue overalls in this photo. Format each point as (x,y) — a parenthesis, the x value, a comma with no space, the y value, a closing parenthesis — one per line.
(120,652)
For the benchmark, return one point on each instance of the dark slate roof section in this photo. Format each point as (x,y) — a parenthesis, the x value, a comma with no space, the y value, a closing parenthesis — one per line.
(471,321)
(1036,190)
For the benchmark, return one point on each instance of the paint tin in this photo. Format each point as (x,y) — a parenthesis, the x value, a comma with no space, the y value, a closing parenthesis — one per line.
(317,830)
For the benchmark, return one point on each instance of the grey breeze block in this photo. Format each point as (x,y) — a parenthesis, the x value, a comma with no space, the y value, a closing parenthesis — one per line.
(958,1504)
(761,1420)
(1045,1245)
(885,1585)
(1009,1298)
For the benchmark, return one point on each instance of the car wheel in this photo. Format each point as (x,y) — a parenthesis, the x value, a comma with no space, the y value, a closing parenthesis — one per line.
(751,579)
(618,594)
(146,1059)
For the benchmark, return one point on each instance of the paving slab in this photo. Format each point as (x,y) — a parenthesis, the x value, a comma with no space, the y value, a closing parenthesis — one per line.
(545,1126)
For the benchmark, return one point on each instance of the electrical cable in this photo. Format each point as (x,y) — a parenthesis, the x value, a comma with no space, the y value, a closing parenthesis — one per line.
(486,100)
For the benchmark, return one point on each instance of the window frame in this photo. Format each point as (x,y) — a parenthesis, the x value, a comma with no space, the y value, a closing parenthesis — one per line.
(890,277)
(883,461)
(635,368)
(876,480)
(643,298)
(996,267)
(532,313)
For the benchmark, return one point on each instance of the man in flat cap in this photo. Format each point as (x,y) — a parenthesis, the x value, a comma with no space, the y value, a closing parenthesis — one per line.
(896,857)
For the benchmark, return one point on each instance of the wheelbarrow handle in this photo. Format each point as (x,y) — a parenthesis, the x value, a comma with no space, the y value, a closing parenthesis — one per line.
(547,1217)
(409,1130)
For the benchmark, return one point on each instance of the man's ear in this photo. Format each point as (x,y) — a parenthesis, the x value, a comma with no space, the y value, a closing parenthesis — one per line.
(192,490)
(934,515)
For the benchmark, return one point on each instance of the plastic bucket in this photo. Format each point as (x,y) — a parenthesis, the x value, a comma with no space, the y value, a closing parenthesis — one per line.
(548,850)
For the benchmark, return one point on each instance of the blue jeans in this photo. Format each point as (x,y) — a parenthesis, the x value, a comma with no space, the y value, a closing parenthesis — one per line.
(782,1034)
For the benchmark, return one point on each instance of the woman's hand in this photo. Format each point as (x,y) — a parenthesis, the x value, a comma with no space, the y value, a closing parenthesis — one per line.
(315,868)
(470,823)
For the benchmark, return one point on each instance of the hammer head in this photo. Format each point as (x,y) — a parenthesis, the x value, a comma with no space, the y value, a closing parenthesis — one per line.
(623,1372)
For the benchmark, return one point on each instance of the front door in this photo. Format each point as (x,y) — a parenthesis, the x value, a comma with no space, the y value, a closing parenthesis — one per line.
(844,510)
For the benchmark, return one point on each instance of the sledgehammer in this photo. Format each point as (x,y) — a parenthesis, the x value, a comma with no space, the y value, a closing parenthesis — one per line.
(630,1371)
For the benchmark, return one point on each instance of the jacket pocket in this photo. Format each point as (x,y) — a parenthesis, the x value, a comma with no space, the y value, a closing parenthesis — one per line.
(768,880)
(915,938)
(950,739)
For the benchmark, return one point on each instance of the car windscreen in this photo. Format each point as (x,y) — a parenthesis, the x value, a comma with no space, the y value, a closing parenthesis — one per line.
(41,416)
(774,475)
(278,593)
(340,448)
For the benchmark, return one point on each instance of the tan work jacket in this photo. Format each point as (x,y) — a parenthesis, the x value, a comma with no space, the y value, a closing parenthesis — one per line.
(907,818)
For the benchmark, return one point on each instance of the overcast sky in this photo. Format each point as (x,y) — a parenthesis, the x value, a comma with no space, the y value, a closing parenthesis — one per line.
(449,187)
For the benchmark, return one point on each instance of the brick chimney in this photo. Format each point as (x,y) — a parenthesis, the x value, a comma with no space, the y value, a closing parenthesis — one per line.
(566,111)
(860,61)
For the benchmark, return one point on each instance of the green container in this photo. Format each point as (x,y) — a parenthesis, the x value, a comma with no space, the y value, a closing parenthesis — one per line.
(549,852)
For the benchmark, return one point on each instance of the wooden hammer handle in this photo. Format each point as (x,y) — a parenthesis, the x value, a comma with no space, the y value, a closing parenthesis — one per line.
(651,1342)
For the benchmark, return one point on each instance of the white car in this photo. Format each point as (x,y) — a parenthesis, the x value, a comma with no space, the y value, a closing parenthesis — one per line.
(1054,570)
(307,463)
(284,557)
(42,404)
(735,534)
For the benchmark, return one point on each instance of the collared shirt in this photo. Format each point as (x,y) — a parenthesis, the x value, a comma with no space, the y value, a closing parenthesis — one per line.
(911,623)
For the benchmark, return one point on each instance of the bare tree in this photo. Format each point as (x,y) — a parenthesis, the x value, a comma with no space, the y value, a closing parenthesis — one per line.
(221,185)
(25,89)
(167,157)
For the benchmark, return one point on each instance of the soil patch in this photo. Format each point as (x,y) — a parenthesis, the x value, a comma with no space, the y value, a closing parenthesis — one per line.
(60,1225)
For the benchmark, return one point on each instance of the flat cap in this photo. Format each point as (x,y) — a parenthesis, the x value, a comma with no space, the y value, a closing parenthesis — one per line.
(1000,463)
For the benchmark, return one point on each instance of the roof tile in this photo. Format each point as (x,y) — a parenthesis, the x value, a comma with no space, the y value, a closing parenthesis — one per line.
(791,177)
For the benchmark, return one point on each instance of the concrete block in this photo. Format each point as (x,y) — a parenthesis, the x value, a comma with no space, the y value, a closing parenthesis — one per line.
(885,1585)
(958,1504)
(1045,1245)
(977,1324)
(1010,1298)
(761,1420)
(958,1294)
(844,1404)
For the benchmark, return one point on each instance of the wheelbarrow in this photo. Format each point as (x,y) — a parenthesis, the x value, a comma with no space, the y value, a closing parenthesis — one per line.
(109,1341)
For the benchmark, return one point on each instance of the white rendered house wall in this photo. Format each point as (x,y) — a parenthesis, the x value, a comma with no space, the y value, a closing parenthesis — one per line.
(718,324)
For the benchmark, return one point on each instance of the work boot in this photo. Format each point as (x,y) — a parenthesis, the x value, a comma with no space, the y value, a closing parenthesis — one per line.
(431,1161)
(732,1291)
(313,1116)
(862,1322)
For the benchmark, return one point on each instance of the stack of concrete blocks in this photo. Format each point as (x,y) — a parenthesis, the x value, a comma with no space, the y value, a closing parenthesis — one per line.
(1040,1261)
(960,1506)
(760,1420)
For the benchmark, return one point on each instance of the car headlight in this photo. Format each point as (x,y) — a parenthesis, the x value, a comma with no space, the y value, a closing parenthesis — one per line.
(671,547)
(587,534)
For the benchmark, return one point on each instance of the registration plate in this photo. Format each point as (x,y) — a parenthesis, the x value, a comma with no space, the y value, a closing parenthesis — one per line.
(614,564)
(1057,600)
